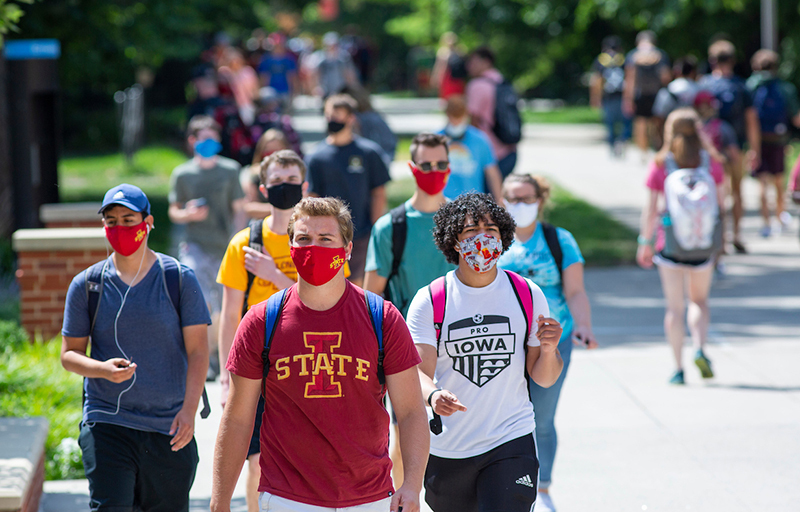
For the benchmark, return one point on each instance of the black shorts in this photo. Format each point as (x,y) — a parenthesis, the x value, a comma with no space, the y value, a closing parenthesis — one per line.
(503,479)
(131,469)
(255,439)
(643,105)
(773,160)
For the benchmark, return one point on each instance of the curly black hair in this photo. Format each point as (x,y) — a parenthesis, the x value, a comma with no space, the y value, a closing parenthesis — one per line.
(449,222)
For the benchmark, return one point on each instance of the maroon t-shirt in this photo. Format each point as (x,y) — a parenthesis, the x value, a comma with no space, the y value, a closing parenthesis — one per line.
(325,431)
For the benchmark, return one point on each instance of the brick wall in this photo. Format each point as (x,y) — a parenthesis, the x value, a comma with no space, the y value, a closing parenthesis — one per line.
(44,277)
(74,223)
(47,260)
(71,215)
(30,502)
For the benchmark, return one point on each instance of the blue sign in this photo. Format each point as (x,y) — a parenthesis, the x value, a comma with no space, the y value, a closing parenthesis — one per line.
(24,49)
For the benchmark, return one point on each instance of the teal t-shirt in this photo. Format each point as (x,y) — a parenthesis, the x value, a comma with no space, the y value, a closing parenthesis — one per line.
(421,263)
(532,259)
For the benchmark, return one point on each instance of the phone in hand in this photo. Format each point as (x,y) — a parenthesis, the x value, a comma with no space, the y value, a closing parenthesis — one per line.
(200,201)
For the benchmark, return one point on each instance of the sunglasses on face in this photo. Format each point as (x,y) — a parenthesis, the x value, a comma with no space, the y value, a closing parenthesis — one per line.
(433,166)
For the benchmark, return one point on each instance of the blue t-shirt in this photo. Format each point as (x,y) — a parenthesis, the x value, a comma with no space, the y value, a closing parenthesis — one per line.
(350,173)
(734,99)
(469,157)
(278,69)
(532,259)
(421,263)
(149,332)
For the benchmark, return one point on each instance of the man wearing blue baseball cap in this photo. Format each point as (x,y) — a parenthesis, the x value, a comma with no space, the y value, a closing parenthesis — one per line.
(147,320)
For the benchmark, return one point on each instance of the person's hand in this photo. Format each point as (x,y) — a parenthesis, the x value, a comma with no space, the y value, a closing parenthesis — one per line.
(644,256)
(259,264)
(118,369)
(752,160)
(195,213)
(549,333)
(627,107)
(225,386)
(445,403)
(182,429)
(582,335)
(405,498)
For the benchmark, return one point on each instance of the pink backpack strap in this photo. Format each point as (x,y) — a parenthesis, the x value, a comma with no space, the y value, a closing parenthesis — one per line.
(438,291)
(525,299)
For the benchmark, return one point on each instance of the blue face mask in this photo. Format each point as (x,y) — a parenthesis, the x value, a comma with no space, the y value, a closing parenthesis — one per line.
(207,148)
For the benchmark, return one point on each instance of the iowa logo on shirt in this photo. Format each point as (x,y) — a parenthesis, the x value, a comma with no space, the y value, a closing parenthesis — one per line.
(480,346)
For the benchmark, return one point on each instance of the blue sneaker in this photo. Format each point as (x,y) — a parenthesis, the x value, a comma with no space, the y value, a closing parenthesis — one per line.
(704,364)
(677,378)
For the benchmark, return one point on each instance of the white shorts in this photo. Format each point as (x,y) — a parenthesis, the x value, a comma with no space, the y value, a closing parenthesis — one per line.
(270,503)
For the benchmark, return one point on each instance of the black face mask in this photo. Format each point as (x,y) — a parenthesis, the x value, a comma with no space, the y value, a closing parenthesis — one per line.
(285,195)
(335,126)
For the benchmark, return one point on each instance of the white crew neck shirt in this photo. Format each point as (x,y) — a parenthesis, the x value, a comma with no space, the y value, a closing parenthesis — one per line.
(481,359)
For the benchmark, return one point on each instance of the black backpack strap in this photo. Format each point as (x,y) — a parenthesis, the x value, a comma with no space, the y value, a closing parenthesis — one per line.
(256,243)
(272,314)
(551,237)
(399,233)
(93,280)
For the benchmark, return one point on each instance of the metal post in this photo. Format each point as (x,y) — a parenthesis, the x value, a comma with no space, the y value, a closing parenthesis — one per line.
(769,24)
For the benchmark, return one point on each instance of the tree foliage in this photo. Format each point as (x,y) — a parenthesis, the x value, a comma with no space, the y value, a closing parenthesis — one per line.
(10,14)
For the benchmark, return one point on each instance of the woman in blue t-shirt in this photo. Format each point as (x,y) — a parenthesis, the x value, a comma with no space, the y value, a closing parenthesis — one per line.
(531,257)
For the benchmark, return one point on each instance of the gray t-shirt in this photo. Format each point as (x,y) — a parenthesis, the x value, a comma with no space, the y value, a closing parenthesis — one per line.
(220,187)
(149,332)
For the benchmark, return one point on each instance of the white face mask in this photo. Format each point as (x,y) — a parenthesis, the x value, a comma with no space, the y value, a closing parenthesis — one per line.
(523,214)
(456,131)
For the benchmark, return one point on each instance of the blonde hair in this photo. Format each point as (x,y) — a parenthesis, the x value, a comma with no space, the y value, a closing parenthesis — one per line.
(684,138)
(324,207)
(283,158)
(539,184)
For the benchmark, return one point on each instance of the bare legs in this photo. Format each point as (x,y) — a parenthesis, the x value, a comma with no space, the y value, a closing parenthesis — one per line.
(677,283)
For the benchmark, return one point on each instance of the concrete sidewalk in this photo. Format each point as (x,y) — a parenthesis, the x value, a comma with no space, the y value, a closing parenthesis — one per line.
(628,440)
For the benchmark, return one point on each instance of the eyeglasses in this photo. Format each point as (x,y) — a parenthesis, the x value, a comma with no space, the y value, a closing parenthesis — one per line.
(433,166)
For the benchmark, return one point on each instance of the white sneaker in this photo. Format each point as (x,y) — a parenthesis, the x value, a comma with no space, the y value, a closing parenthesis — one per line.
(544,503)
(786,222)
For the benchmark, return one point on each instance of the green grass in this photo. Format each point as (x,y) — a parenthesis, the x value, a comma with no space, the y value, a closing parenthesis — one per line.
(82,176)
(33,383)
(603,240)
(564,115)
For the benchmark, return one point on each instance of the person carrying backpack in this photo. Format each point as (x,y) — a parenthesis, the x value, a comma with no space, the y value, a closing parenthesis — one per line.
(646,71)
(492,106)
(257,264)
(549,257)
(606,87)
(684,237)
(148,323)
(481,332)
(777,105)
(323,353)
(402,257)
(449,73)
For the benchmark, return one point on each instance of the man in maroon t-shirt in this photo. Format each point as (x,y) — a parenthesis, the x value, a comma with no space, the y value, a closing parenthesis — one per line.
(325,432)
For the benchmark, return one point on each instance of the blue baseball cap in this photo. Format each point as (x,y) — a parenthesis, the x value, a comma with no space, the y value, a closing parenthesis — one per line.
(126,195)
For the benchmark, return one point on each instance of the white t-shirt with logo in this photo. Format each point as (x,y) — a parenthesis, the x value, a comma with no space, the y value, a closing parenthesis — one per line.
(482,361)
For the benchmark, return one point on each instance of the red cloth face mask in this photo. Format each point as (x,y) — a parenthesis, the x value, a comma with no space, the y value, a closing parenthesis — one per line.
(318,265)
(431,182)
(126,240)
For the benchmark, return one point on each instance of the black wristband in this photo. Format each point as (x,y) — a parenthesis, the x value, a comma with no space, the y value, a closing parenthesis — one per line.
(431,396)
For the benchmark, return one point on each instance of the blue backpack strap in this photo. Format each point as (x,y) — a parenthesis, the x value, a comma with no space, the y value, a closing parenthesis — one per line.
(93,280)
(173,279)
(272,314)
(375,307)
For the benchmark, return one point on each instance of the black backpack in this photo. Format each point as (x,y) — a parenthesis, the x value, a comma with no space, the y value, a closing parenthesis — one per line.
(173,279)
(256,243)
(507,121)
(399,232)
